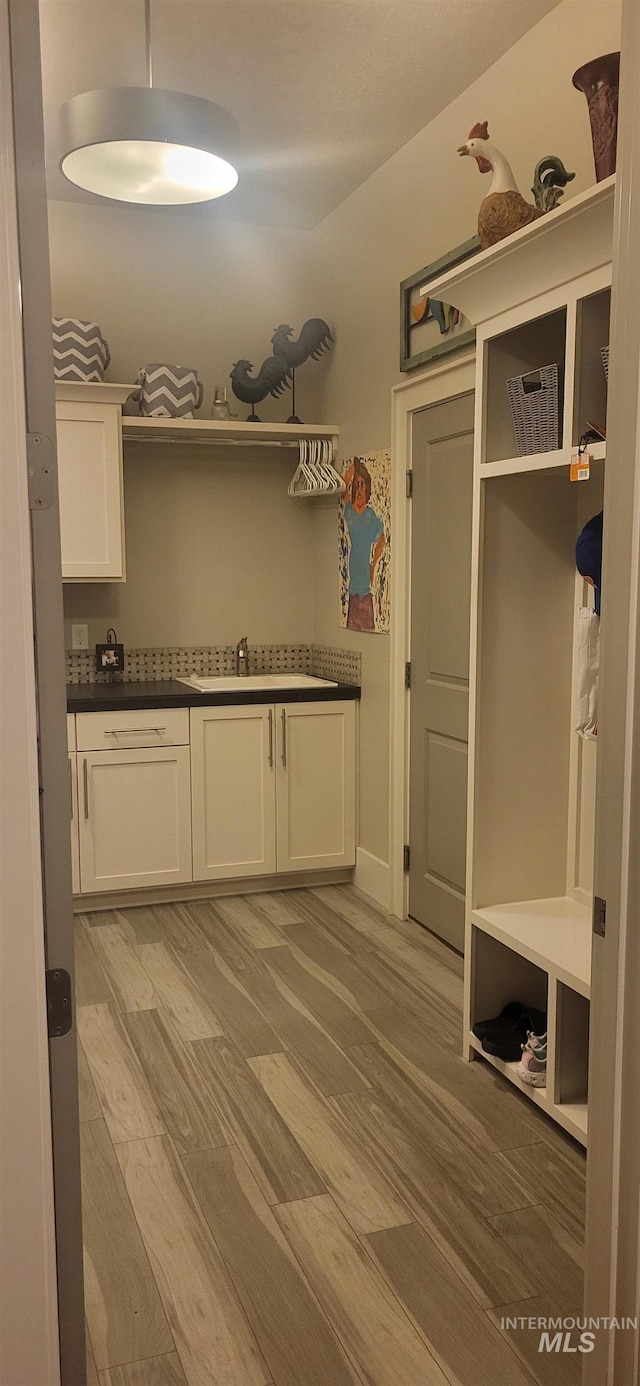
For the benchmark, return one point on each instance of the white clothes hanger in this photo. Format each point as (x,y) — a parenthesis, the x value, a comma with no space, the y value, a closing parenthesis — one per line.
(315,474)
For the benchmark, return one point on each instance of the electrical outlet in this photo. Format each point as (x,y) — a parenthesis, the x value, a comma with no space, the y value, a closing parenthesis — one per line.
(79,637)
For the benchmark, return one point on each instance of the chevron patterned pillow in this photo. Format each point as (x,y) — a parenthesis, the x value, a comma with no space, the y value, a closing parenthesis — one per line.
(79,350)
(169,392)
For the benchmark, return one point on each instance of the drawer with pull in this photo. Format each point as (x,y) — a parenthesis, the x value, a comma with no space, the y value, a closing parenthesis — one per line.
(125,731)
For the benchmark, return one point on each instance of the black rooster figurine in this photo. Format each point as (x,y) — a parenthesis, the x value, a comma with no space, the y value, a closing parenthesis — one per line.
(273,376)
(315,338)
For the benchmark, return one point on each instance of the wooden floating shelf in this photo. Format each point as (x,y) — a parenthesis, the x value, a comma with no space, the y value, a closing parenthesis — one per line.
(572,1116)
(554,934)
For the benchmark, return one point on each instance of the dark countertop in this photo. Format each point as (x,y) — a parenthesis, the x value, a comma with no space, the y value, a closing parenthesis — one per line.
(102,697)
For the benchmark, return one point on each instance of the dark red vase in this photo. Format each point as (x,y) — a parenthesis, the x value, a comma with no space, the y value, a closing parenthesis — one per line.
(600,80)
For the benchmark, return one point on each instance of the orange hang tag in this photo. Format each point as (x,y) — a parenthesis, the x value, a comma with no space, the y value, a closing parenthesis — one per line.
(580,468)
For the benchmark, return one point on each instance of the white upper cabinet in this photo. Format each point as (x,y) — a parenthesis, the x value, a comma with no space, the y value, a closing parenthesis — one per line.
(89,437)
(232,772)
(315,785)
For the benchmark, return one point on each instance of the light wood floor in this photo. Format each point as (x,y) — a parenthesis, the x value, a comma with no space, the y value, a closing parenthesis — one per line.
(290,1176)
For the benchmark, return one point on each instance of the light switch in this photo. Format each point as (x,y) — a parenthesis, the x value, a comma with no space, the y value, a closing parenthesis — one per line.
(79,637)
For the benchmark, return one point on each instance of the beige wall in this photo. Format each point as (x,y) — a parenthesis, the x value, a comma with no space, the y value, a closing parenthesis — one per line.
(420,204)
(166,286)
(214,546)
(215,550)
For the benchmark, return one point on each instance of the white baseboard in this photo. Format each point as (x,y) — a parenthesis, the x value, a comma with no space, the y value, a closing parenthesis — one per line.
(373,878)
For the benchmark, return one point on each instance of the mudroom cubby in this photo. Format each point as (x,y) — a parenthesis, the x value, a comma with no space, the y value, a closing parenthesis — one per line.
(520,350)
(540,297)
(590,402)
(572,1040)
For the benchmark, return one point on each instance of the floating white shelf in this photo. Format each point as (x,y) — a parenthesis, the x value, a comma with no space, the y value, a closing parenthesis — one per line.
(570,1115)
(230,432)
(559,247)
(554,934)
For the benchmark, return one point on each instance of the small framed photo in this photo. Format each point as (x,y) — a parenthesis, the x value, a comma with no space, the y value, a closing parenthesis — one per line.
(110,659)
(429,328)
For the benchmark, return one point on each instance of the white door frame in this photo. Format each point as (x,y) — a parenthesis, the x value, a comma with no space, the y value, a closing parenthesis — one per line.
(612,1284)
(29,1348)
(441,383)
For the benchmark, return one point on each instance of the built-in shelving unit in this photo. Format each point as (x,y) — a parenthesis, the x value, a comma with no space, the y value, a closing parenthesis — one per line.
(540,297)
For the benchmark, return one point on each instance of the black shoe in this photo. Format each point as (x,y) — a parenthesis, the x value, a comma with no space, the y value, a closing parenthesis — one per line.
(507,1044)
(509,1016)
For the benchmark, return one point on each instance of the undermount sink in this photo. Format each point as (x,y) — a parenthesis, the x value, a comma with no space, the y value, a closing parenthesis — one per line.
(230,683)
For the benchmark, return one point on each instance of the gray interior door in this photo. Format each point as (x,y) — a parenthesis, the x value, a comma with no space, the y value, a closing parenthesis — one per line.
(440,606)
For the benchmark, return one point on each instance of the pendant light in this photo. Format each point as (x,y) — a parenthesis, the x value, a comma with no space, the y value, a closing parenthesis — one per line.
(145,145)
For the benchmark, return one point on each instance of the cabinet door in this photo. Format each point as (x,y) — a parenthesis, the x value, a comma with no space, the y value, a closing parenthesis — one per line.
(75,841)
(316,785)
(232,776)
(135,818)
(90,490)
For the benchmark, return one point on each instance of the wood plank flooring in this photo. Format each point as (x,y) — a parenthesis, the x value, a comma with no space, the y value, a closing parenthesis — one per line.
(290,1176)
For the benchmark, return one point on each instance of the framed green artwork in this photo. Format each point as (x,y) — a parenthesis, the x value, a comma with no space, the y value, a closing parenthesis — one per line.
(429,328)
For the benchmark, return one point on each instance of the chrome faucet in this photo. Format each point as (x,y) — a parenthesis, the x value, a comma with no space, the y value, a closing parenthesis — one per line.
(242,657)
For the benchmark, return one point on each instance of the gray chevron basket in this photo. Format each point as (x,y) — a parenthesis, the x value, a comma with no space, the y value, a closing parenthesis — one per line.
(169,392)
(79,350)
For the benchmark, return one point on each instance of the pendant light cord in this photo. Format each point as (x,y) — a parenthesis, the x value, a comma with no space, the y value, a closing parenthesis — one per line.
(147,41)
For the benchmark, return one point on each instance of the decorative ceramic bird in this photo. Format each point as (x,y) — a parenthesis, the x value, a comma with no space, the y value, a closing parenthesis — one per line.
(272,378)
(504,209)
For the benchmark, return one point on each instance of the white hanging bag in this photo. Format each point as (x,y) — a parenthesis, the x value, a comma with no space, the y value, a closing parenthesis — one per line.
(588,672)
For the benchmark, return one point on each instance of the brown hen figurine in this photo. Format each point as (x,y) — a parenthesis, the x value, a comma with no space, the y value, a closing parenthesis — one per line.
(504,209)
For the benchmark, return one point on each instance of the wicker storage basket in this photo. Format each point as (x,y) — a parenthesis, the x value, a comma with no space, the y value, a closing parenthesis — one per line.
(535,408)
(605,360)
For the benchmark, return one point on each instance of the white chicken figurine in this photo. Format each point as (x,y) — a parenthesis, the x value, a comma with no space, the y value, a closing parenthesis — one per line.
(504,209)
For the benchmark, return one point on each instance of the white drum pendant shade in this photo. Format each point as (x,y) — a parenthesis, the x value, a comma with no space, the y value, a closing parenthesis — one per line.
(146,145)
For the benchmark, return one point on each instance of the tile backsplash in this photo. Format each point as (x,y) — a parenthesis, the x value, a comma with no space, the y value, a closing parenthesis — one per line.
(330,662)
(149,665)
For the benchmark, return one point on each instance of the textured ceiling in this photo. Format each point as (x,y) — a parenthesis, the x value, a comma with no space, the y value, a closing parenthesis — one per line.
(325,90)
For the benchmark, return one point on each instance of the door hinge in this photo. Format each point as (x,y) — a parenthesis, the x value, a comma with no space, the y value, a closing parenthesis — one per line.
(599,916)
(40,471)
(59,1008)
(406,858)
(409,485)
(407,674)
